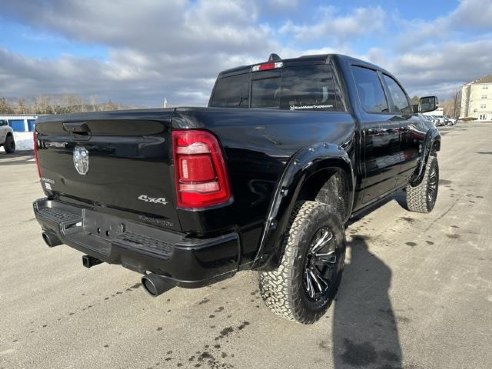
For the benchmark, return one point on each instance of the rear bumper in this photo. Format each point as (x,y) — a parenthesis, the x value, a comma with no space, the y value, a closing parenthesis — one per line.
(185,262)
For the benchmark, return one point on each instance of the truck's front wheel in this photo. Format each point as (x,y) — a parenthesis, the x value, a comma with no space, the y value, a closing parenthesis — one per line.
(9,145)
(307,280)
(422,198)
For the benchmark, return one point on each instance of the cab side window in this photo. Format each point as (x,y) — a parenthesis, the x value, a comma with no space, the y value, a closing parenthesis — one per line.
(370,90)
(398,96)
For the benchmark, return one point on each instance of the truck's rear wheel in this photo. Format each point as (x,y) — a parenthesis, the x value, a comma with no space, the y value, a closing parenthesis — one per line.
(9,145)
(307,280)
(422,198)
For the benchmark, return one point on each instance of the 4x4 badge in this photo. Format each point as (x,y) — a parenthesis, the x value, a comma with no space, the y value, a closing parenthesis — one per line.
(81,159)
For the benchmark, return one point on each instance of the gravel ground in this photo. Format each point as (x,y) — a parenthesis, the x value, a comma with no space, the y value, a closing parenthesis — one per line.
(416,294)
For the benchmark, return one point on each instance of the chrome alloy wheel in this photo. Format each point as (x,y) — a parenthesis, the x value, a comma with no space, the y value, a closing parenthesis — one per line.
(321,265)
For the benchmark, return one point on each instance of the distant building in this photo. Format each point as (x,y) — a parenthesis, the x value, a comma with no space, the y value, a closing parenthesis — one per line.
(20,122)
(476,99)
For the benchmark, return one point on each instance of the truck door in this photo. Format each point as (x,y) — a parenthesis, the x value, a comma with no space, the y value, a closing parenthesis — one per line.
(380,136)
(412,132)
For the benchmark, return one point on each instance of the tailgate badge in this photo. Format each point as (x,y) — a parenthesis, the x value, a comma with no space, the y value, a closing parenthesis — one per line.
(81,160)
(153,200)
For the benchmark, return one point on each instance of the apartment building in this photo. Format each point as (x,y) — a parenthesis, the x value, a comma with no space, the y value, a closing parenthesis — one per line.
(476,99)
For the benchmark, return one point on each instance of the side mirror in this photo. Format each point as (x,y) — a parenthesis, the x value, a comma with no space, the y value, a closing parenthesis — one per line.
(428,103)
(3,123)
(415,108)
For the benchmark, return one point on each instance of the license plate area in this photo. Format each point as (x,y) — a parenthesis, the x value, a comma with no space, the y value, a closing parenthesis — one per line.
(103,226)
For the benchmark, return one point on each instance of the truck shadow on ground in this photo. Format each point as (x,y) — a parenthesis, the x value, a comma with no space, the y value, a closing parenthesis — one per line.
(365,332)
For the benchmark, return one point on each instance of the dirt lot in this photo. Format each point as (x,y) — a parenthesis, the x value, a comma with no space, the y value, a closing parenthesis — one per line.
(416,294)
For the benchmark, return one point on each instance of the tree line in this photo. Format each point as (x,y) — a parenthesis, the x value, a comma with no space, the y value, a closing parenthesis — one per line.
(62,104)
(77,104)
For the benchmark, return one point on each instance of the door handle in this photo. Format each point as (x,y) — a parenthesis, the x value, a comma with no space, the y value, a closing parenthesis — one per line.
(78,128)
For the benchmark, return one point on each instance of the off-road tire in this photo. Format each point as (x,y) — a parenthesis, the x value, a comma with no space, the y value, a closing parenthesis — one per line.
(422,198)
(284,289)
(9,144)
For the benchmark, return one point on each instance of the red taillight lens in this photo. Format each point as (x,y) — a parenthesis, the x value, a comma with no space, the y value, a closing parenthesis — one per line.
(266,66)
(201,176)
(198,168)
(35,139)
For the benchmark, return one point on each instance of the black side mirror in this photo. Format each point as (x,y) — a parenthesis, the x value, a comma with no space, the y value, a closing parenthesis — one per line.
(415,108)
(428,103)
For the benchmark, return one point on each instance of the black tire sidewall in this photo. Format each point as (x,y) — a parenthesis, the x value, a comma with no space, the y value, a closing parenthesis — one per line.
(433,164)
(306,309)
(9,145)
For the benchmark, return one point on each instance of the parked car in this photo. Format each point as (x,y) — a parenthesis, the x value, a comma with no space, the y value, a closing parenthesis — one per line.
(264,179)
(427,118)
(432,118)
(450,121)
(439,120)
(7,137)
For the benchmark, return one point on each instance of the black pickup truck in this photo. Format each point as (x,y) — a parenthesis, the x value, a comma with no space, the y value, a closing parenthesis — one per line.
(265,178)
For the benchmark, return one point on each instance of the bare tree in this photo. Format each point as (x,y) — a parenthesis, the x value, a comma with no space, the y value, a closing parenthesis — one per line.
(93,101)
(5,106)
(457,104)
(62,104)
(452,106)
(414,100)
(110,106)
(43,105)
(21,107)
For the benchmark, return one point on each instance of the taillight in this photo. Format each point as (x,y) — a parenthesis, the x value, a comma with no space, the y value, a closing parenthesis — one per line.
(201,176)
(266,66)
(35,139)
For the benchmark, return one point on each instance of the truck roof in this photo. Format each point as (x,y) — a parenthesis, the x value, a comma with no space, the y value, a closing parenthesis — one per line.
(320,58)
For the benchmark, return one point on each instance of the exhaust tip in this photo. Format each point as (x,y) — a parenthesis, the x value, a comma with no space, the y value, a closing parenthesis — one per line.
(155,284)
(50,239)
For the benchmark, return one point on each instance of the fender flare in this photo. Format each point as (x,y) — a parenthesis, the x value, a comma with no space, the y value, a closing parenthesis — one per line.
(299,168)
(431,138)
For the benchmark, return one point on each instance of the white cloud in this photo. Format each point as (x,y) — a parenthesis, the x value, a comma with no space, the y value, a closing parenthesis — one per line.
(154,47)
(176,48)
(445,67)
(472,14)
(439,55)
(333,25)
(288,4)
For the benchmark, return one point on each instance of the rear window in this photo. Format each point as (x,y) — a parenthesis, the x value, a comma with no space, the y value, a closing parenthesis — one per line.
(306,87)
(265,93)
(232,92)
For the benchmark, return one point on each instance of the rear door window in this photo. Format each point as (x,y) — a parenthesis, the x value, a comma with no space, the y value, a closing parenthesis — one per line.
(370,90)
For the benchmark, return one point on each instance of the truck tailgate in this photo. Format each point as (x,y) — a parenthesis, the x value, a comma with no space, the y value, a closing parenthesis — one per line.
(113,160)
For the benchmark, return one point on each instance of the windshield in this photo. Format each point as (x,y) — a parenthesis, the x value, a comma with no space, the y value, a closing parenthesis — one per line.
(303,87)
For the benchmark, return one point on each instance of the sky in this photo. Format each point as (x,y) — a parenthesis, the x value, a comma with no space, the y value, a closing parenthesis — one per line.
(142,52)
